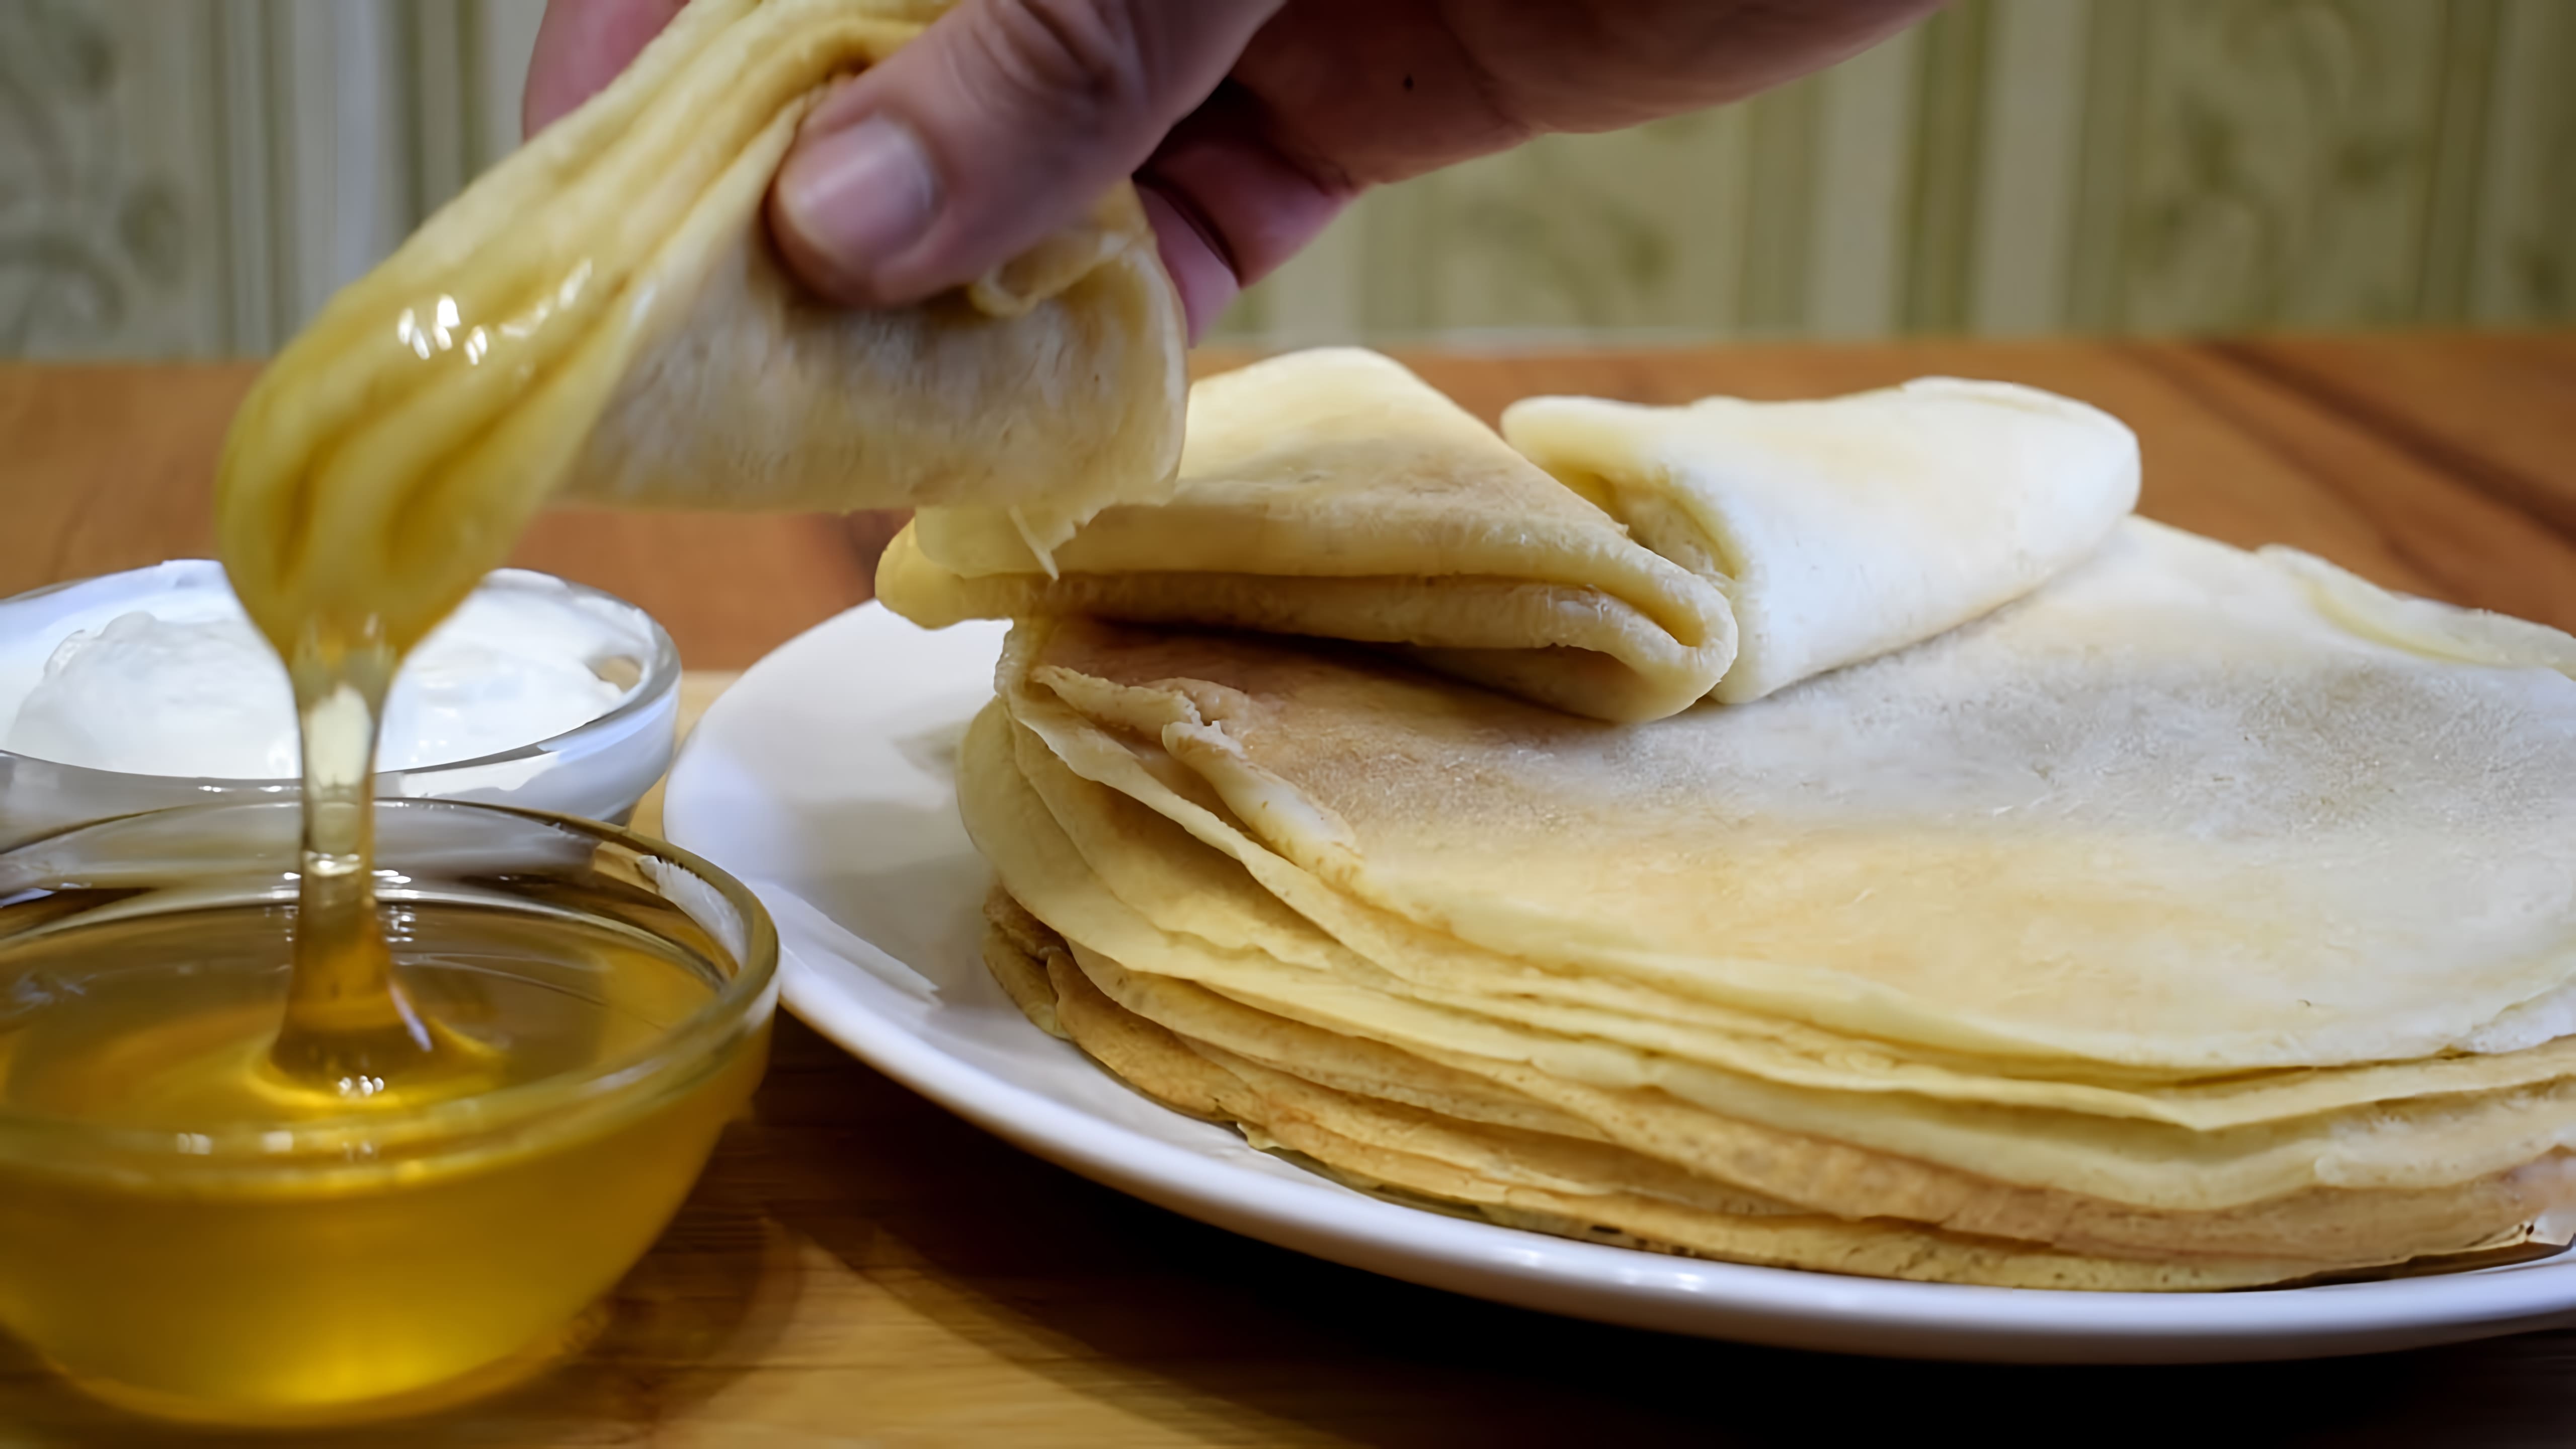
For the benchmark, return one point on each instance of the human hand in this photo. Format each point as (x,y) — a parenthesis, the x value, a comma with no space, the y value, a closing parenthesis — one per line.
(1247,124)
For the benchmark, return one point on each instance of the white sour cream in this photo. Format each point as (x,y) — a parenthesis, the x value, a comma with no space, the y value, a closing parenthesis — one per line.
(159,672)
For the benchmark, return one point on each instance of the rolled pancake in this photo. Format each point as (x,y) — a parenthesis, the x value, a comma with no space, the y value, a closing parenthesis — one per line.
(1333,493)
(1847,527)
(600,317)
(2169,813)
(1566,1185)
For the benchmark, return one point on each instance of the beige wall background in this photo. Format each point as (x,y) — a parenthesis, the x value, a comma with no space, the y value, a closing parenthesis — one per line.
(193,177)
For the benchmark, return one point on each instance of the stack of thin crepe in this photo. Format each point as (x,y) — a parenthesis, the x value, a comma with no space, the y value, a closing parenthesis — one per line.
(2048,909)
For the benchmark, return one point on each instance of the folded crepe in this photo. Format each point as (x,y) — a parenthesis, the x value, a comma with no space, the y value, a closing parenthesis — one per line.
(601,318)
(1845,528)
(2204,918)
(1334,493)
(1728,546)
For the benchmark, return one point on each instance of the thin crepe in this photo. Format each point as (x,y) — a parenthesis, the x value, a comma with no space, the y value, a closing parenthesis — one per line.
(1578,1184)
(1729,546)
(600,317)
(1848,527)
(1334,493)
(2454,1168)
(1224,929)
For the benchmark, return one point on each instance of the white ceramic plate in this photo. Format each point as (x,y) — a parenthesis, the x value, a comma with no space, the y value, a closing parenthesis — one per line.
(823,779)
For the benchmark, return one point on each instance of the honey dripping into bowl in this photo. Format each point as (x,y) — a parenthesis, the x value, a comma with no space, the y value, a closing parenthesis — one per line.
(350,527)
(350,1029)
(354,1158)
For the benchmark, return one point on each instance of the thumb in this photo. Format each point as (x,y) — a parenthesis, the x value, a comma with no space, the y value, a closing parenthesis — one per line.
(999,126)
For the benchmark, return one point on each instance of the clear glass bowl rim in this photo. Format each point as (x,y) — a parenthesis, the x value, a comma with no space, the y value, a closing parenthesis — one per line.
(696,1044)
(660,680)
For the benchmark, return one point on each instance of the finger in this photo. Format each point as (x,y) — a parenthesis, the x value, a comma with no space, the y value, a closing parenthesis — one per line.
(1191,258)
(1002,123)
(1229,205)
(581,46)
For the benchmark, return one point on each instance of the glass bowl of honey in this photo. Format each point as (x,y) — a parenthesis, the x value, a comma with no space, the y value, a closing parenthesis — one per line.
(189,1233)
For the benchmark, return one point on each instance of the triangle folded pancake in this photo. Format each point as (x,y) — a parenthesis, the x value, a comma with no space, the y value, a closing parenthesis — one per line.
(1333,493)
(1729,546)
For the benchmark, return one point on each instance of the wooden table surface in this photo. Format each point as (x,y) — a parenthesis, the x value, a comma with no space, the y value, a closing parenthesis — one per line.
(859,1267)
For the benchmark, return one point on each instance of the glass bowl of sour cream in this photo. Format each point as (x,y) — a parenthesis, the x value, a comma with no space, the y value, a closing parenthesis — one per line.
(148,689)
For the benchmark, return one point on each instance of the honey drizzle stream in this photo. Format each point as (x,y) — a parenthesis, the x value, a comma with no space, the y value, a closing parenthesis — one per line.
(349,1029)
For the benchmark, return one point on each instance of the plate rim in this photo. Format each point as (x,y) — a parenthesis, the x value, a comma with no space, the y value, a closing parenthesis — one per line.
(1790,1307)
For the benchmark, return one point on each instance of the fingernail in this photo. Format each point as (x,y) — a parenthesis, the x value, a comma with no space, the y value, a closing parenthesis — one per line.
(861,195)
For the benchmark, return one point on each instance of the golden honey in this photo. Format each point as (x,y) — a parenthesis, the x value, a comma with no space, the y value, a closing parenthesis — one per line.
(268,1162)
(273,1163)
(187,1229)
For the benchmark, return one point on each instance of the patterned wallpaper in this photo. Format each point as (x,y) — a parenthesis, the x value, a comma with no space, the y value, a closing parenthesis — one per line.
(2021,166)
(193,178)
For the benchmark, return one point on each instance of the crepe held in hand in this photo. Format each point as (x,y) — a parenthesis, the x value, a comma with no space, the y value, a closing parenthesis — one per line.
(1727,546)
(601,317)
